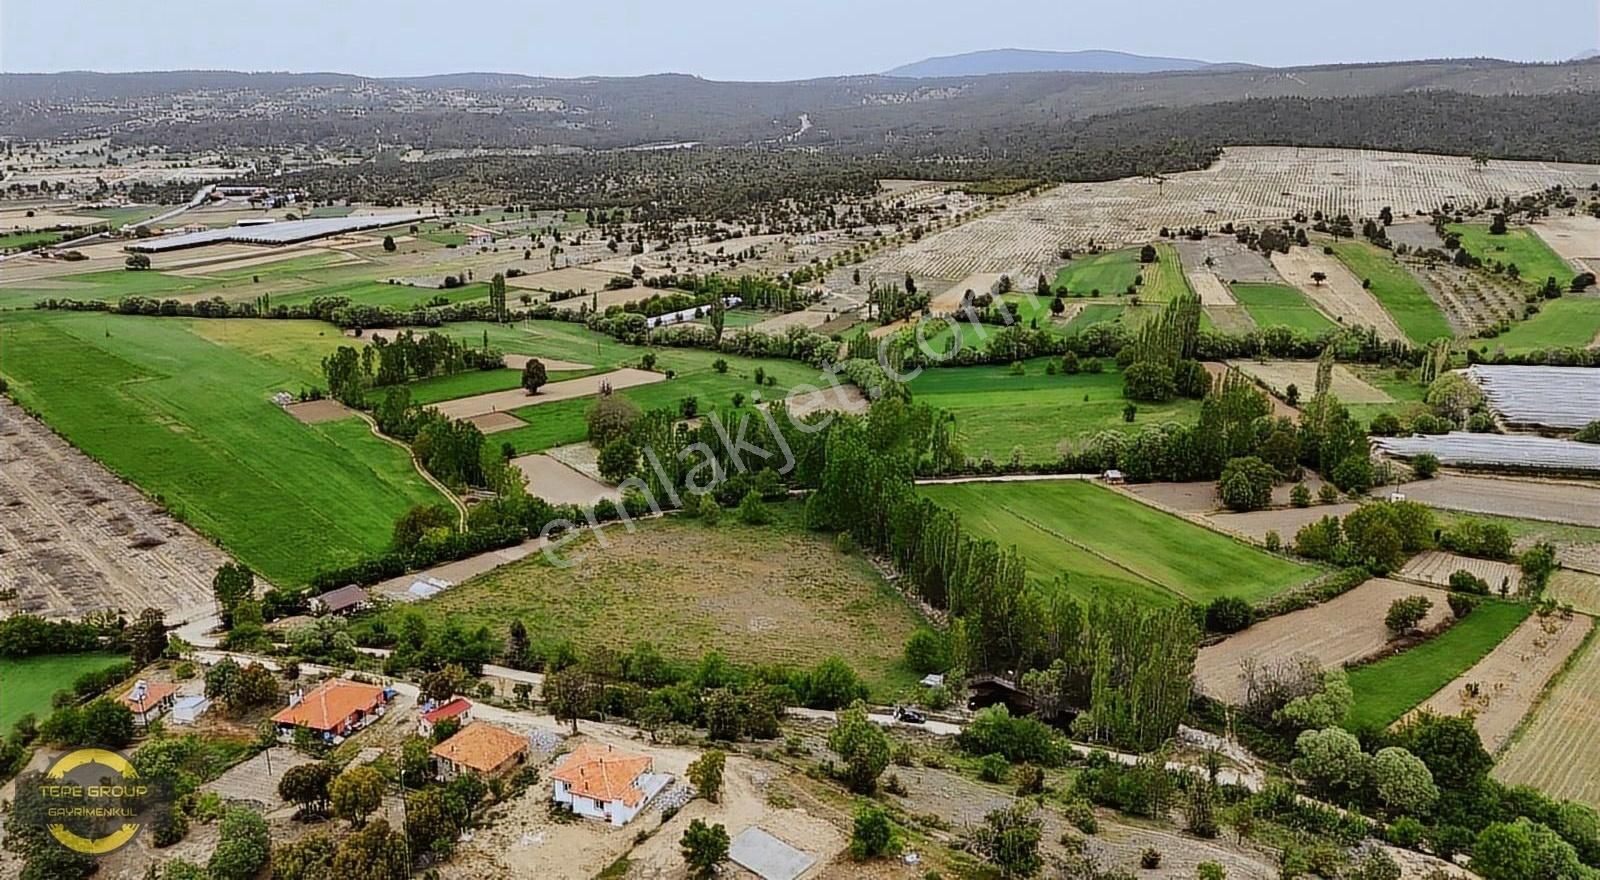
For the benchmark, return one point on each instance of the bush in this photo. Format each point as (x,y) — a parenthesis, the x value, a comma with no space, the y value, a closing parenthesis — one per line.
(995,731)
(1461,604)
(927,652)
(1463,581)
(992,768)
(872,835)
(1150,859)
(1327,493)
(1229,614)
(1246,483)
(1210,871)
(1080,813)
(1424,466)
(1405,832)
(1300,495)
(1405,614)
(1589,433)
(1029,780)
(753,511)
(1471,537)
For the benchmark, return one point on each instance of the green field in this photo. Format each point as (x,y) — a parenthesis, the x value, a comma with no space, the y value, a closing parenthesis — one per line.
(28,682)
(996,411)
(1572,321)
(181,409)
(1107,543)
(1094,313)
(775,594)
(1280,305)
(1164,279)
(28,238)
(1534,259)
(1111,273)
(1389,688)
(1396,290)
(382,293)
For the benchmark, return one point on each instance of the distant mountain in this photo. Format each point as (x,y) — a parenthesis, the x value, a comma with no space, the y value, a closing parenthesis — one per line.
(1585,56)
(1039,61)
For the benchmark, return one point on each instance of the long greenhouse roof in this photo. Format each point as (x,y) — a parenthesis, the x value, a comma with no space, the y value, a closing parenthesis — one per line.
(1510,451)
(1546,397)
(279,233)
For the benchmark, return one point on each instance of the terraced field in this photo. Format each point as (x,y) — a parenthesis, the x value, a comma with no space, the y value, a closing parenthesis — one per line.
(1395,288)
(1555,751)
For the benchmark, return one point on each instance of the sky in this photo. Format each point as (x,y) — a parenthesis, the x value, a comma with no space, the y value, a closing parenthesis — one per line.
(756,39)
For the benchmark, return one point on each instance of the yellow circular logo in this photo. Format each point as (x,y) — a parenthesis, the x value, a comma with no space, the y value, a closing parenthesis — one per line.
(93,800)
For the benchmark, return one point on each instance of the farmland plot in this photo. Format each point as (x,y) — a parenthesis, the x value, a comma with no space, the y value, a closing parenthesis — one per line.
(516,398)
(1471,300)
(1573,321)
(1580,589)
(1286,522)
(1499,690)
(1556,751)
(1519,247)
(1412,309)
(1279,375)
(1436,566)
(1575,239)
(1279,305)
(1248,184)
(1339,295)
(1342,630)
(1550,500)
(1228,260)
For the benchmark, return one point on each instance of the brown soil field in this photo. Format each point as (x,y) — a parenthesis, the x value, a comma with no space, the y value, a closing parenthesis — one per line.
(562,280)
(1436,566)
(516,398)
(1201,497)
(289,252)
(18,219)
(1573,238)
(1231,319)
(1580,589)
(1551,500)
(314,412)
(1210,288)
(1342,630)
(1303,374)
(75,539)
(1499,690)
(840,398)
(557,483)
(1230,260)
(807,318)
(518,361)
(495,422)
(1417,235)
(1286,522)
(1555,752)
(1341,296)
(1279,406)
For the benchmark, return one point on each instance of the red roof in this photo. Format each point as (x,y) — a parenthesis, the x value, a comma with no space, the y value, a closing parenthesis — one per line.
(601,773)
(154,693)
(451,709)
(331,704)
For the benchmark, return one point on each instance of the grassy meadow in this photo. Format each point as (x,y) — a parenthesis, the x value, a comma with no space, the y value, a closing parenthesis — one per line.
(1111,273)
(181,408)
(1400,294)
(777,594)
(1108,544)
(1534,259)
(28,682)
(1281,305)
(1393,686)
(1569,322)
(997,412)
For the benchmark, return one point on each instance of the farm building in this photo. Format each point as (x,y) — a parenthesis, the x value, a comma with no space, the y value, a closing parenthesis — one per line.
(345,600)
(459,708)
(1565,398)
(149,700)
(601,782)
(279,233)
(479,748)
(189,709)
(334,709)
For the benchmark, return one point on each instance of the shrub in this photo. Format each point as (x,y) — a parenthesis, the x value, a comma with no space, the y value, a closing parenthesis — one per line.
(1246,483)
(872,834)
(1273,541)
(1589,433)
(1463,581)
(1300,495)
(992,768)
(1229,614)
(1405,832)
(927,652)
(995,731)
(1472,537)
(1424,466)
(1210,871)
(1404,614)
(1462,604)
(1080,813)
(1327,493)
(1029,780)
(1150,859)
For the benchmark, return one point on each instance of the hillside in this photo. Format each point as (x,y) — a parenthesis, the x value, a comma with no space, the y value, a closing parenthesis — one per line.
(991,61)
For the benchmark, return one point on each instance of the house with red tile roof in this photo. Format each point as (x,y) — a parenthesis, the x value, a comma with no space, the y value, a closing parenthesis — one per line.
(480,748)
(602,782)
(459,708)
(149,700)
(334,709)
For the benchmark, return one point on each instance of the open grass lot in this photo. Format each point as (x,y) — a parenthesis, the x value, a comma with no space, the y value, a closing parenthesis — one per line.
(1393,686)
(28,682)
(776,594)
(1399,293)
(442,388)
(29,238)
(1569,322)
(1523,247)
(1110,273)
(997,412)
(1164,279)
(1103,541)
(181,409)
(1093,313)
(1274,305)
(382,293)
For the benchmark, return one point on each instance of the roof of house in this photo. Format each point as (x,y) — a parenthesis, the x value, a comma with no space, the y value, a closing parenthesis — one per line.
(448,709)
(330,703)
(343,598)
(602,773)
(154,693)
(481,747)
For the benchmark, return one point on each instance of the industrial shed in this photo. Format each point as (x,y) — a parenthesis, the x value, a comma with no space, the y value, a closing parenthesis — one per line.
(273,234)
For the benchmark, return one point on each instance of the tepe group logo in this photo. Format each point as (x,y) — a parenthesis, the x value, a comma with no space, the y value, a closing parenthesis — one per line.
(93,801)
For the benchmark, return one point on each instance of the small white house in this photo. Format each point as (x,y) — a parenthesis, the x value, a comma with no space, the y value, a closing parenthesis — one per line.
(600,782)
(187,709)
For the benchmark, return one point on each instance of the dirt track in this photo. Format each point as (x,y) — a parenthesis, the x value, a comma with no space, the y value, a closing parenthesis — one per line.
(1552,500)
(516,398)
(74,538)
(1340,631)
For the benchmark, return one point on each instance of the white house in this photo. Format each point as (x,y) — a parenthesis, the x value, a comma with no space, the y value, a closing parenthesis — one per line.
(187,709)
(600,782)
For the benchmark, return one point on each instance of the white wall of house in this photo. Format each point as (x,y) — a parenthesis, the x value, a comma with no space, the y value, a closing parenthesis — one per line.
(615,812)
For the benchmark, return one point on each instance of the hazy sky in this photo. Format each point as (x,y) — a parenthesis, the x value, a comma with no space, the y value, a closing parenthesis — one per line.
(756,39)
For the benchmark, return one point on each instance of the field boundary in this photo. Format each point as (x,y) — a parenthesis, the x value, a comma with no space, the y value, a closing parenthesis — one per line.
(1101,556)
(1549,688)
(455,500)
